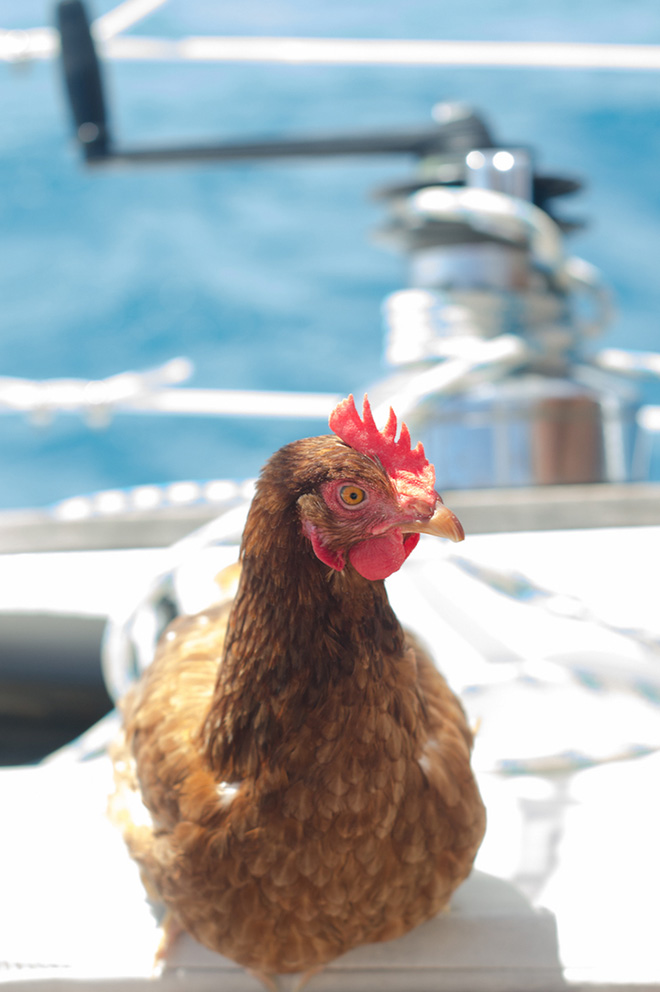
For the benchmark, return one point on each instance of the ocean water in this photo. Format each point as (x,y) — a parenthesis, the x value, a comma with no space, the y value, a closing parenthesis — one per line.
(267,276)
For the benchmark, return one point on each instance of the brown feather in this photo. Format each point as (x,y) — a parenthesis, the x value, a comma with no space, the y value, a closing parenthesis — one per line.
(303,768)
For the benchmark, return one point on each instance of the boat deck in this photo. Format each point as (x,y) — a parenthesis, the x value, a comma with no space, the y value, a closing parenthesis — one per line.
(552,640)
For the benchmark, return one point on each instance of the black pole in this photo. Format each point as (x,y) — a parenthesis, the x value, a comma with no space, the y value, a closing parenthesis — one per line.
(419,143)
(84,85)
(82,75)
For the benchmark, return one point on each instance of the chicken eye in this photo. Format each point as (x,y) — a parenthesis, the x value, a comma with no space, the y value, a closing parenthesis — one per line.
(352,495)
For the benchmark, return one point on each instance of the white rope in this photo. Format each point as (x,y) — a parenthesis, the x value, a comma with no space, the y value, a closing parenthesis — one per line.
(372,51)
(44,43)
(635,363)
(487,210)
(122,17)
(148,392)
(26,46)
(476,361)
(236,403)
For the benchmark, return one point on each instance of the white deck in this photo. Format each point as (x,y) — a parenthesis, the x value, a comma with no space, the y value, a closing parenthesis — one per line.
(567,880)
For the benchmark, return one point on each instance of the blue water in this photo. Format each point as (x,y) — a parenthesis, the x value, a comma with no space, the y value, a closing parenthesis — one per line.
(265,275)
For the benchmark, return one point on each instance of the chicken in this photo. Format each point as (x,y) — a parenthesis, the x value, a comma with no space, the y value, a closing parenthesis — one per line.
(304,767)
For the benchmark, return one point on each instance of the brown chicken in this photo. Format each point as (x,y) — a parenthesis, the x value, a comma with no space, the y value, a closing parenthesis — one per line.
(305,768)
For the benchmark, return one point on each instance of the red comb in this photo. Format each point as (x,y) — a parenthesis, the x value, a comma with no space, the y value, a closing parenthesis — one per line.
(402,463)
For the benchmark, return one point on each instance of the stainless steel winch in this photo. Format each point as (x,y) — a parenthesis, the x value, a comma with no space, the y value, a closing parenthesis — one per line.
(491,347)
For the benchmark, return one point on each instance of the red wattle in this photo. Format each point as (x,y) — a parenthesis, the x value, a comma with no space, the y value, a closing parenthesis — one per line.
(378,557)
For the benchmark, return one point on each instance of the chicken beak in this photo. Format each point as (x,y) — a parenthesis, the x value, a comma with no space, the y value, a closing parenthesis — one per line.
(443,523)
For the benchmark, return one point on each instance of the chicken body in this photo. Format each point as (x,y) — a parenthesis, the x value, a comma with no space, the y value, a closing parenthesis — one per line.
(305,767)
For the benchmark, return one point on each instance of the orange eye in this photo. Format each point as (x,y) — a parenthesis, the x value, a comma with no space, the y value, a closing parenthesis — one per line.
(352,495)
